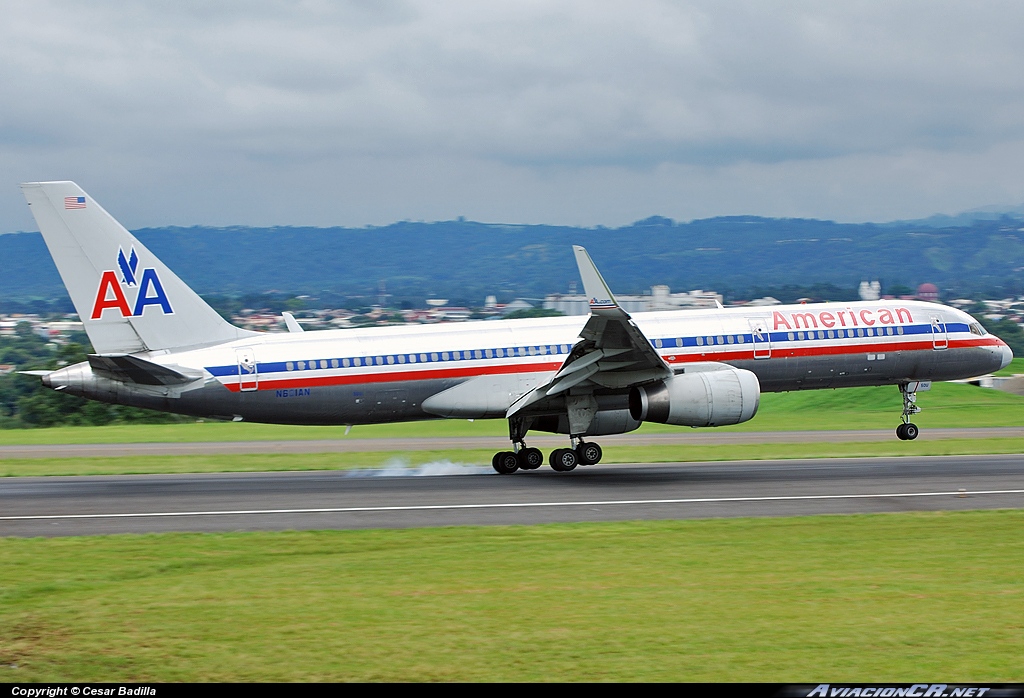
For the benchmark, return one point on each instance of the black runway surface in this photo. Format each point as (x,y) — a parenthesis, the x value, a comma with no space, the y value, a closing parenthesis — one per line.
(455,495)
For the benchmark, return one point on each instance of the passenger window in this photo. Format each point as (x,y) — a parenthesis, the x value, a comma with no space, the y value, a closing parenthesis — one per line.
(700,341)
(730,339)
(791,337)
(657,343)
(302,365)
(289,366)
(741,338)
(444,356)
(433,357)
(423,358)
(391,360)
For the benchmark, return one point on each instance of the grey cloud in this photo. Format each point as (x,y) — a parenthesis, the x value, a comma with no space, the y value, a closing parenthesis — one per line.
(597,96)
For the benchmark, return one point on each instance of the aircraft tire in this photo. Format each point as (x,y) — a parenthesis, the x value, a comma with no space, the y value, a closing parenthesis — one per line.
(505,463)
(530,459)
(910,431)
(589,453)
(563,460)
(900,432)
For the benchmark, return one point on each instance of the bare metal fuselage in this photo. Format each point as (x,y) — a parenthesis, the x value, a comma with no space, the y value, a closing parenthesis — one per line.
(386,374)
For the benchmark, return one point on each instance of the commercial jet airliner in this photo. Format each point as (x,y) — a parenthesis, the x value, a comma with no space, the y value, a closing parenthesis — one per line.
(159,345)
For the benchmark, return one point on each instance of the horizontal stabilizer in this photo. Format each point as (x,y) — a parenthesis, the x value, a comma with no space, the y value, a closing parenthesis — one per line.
(291,323)
(131,369)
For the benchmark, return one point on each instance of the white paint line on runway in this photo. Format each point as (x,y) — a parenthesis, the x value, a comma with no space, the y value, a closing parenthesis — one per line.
(510,505)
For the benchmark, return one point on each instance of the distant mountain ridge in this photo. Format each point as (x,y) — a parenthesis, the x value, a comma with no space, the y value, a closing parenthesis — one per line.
(466,260)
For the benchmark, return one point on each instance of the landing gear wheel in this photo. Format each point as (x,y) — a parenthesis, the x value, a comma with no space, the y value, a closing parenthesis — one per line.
(505,463)
(530,458)
(907,431)
(563,460)
(589,453)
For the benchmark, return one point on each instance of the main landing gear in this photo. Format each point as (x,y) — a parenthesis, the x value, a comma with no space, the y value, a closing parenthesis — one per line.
(527,458)
(908,431)
(561,459)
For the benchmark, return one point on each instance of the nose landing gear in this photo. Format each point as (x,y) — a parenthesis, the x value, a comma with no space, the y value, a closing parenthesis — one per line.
(908,431)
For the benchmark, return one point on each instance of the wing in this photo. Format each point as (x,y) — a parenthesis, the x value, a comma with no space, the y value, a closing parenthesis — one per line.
(612,351)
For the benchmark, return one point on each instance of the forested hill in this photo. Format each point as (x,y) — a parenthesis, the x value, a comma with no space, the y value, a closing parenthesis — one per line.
(465,261)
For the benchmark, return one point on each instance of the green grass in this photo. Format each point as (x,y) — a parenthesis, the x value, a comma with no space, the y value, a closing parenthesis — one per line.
(1016,367)
(893,597)
(142,465)
(946,405)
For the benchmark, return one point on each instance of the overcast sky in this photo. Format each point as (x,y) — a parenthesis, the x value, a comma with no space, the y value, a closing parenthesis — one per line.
(335,113)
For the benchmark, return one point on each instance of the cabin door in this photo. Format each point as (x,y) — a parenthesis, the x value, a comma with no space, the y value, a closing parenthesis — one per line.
(762,339)
(940,340)
(248,375)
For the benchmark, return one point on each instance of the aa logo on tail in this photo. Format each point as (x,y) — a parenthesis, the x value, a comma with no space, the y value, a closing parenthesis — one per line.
(148,289)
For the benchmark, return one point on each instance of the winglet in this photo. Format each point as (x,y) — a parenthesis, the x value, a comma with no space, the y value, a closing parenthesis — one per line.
(594,286)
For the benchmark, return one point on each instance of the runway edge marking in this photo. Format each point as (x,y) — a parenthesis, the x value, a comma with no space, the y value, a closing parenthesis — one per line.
(508,505)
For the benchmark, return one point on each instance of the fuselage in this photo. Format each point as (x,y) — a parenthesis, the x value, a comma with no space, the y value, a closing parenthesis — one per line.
(385,374)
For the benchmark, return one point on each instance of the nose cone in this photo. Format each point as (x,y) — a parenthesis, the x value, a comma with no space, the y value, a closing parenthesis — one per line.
(1007,356)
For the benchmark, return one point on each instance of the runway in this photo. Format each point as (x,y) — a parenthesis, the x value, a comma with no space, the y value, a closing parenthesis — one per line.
(354,445)
(63,506)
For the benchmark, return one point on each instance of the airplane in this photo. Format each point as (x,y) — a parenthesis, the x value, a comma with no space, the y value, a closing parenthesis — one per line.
(158,345)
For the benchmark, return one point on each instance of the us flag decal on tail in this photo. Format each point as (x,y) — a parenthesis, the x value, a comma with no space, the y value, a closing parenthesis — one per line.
(74,202)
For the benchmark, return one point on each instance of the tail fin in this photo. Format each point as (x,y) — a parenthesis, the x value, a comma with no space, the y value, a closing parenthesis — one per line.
(127,299)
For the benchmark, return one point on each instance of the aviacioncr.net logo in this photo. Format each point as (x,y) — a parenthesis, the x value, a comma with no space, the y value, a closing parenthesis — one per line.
(147,289)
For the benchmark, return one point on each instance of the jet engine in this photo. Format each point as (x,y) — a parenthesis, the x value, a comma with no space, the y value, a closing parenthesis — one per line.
(699,399)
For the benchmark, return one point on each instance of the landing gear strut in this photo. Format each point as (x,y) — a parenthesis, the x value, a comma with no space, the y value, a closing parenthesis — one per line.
(908,431)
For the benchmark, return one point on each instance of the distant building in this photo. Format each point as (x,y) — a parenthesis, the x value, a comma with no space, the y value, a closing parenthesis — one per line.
(928,292)
(660,298)
(516,305)
(870,291)
(761,302)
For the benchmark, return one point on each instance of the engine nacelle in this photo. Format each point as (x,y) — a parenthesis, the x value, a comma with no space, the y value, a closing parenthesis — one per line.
(605,422)
(699,399)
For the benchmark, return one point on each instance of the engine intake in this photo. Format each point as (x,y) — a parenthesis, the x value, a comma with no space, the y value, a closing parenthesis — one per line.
(701,399)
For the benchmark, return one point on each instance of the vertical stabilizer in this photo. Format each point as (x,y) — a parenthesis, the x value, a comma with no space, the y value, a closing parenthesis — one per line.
(127,299)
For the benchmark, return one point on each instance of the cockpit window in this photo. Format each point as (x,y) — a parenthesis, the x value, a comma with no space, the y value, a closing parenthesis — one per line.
(977,329)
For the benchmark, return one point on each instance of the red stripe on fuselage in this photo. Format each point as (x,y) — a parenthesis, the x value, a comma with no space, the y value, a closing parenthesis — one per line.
(398,376)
